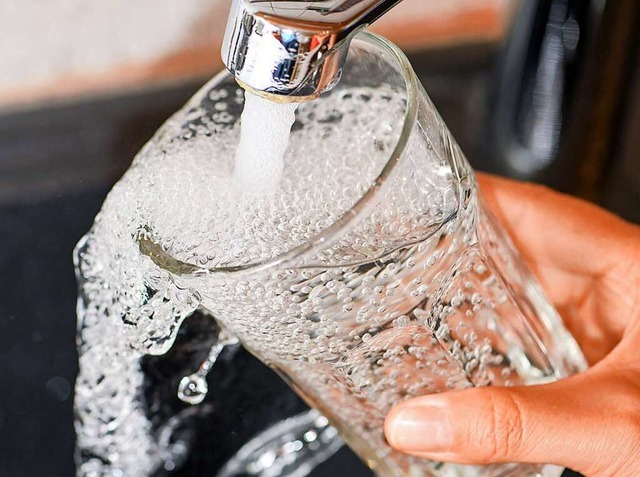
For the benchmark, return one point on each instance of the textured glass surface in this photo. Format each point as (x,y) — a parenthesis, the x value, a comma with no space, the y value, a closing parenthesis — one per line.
(387,280)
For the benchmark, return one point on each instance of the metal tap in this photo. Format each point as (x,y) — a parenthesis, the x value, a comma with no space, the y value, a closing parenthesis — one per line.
(294,50)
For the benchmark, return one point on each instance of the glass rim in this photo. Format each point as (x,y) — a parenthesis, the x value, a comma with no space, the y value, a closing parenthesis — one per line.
(186,269)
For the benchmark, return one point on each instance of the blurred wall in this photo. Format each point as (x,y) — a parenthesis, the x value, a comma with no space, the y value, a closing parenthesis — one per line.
(66,48)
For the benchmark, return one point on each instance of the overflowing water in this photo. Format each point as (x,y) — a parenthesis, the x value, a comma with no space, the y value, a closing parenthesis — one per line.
(183,196)
(401,301)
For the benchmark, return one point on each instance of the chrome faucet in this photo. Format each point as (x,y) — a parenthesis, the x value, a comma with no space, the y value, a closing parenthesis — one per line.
(294,50)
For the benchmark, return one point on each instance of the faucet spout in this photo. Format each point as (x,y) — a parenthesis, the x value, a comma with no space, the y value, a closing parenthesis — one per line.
(294,50)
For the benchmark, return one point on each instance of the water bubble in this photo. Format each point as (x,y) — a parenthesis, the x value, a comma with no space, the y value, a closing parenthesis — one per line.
(182,197)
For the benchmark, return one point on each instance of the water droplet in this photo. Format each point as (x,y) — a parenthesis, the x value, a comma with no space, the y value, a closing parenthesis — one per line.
(59,388)
(193,389)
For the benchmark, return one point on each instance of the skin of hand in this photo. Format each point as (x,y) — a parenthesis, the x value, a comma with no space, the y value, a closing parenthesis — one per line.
(588,262)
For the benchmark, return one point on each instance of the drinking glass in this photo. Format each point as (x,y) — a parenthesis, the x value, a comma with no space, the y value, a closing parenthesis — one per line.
(415,290)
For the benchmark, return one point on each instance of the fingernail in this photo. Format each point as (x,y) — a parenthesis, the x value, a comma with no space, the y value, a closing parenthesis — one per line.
(421,429)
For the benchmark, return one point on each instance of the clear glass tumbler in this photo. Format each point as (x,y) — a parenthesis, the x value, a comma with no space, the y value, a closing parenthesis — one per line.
(415,290)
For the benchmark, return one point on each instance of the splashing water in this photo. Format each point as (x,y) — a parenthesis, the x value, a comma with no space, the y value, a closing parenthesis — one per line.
(182,197)
(194,388)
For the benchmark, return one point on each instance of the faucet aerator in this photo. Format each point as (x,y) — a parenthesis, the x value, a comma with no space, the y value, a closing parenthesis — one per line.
(294,50)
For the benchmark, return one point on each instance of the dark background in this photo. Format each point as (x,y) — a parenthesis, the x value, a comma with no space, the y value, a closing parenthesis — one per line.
(58,163)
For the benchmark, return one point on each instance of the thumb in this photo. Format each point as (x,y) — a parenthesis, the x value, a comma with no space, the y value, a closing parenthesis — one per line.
(573,423)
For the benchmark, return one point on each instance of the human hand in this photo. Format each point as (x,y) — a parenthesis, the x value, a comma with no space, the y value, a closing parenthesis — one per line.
(588,262)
